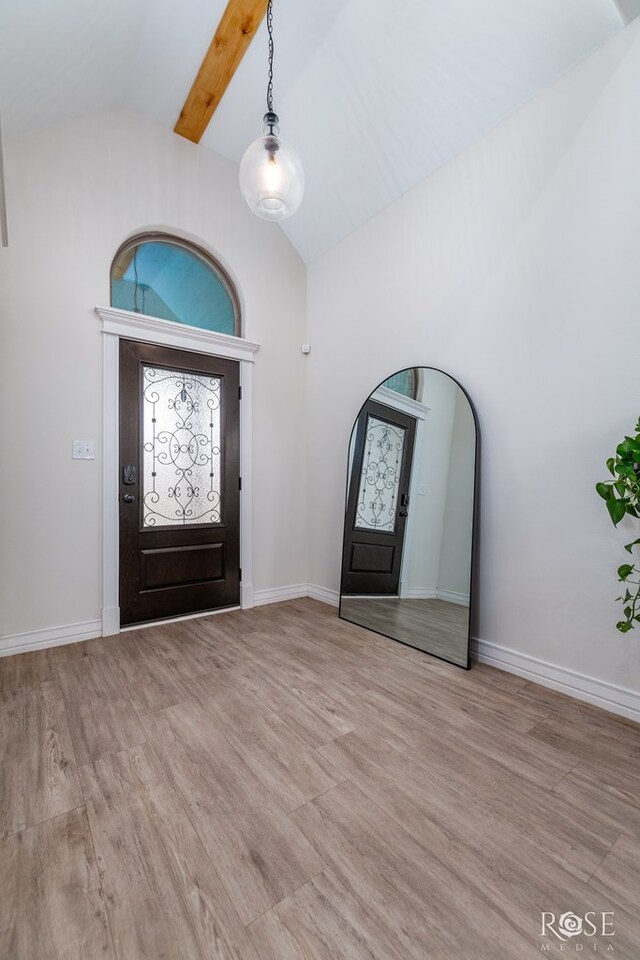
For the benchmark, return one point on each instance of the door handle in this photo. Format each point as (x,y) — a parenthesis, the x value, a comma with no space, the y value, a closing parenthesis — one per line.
(129,475)
(128,498)
(402,513)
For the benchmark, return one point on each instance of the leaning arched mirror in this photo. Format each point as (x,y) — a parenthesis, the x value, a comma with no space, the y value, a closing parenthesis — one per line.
(410,514)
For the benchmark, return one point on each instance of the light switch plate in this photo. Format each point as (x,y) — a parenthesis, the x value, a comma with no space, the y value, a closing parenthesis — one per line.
(84,450)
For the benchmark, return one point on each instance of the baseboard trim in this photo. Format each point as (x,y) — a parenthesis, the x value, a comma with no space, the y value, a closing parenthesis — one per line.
(324,594)
(616,699)
(295,592)
(278,594)
(49,637)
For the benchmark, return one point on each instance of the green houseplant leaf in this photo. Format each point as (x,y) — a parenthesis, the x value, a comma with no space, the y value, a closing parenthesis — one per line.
(617,510)
(622,498)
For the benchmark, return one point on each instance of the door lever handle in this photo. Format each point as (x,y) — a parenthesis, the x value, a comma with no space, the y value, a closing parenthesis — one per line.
(403,513)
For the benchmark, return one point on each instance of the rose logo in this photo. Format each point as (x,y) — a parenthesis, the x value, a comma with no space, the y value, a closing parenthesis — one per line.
(569,925)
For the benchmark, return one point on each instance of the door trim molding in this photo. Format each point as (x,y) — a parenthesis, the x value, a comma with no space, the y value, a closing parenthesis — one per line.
(397,401)
(138,326)
(117,324)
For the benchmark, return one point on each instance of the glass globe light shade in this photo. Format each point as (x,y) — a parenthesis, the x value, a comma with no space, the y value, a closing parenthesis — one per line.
(271,178)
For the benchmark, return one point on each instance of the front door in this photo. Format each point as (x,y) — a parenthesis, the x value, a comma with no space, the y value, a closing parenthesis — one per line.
(179,482)
(378,501)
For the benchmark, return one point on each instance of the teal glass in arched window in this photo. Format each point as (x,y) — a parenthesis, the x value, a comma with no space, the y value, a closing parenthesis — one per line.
(403,382)
(163,276)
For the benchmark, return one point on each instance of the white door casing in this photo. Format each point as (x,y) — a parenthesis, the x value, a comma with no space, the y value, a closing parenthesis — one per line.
(125,324)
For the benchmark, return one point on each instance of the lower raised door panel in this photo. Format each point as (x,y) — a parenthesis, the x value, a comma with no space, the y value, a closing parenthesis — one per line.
(181,566)
(371,557)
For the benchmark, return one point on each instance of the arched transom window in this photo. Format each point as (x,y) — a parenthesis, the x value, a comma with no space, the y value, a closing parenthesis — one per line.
(405,382)
(163,276)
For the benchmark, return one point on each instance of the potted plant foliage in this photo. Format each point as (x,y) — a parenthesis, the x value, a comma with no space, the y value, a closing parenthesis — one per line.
(622,497)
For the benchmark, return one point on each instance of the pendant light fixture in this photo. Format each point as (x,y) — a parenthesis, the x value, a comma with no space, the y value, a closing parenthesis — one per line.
(271,175)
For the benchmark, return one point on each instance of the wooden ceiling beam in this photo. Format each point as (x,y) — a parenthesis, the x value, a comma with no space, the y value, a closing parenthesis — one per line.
(236,30)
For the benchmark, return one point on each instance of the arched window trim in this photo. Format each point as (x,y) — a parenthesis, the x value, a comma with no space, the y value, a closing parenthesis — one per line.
(196,250)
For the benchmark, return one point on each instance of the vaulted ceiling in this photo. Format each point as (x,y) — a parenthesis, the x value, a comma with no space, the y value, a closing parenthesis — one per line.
(374,95)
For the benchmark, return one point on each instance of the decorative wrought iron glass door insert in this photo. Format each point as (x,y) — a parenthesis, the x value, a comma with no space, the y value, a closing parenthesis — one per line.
(380,475)
(182,447)
(179,482)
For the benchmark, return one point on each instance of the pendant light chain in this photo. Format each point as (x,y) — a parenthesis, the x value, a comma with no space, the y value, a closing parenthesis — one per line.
(270,83)
(271,175)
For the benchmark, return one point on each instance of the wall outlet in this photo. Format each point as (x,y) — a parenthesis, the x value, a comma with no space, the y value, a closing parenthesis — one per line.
(84,450)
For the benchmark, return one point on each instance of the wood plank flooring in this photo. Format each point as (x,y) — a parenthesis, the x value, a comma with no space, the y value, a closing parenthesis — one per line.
(278,784)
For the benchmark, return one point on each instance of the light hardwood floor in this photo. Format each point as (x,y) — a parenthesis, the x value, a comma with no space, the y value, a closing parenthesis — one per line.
(278,784)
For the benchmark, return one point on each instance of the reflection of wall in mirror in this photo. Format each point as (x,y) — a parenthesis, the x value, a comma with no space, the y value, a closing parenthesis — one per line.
(438,541)
(455,554)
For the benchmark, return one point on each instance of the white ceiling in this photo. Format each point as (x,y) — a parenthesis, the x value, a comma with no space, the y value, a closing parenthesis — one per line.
(374,95)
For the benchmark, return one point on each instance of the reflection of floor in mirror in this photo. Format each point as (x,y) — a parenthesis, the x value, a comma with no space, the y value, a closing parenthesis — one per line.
(433,625)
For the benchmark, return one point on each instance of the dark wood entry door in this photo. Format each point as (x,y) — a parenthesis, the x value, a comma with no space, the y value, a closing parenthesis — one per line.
(179,482)
(378,500)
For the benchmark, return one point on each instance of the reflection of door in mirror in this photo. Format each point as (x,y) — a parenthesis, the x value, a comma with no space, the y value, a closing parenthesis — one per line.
(409,518)
(378,501)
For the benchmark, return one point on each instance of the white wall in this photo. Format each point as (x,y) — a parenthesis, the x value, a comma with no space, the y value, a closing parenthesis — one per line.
(514,268)
(75,192)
